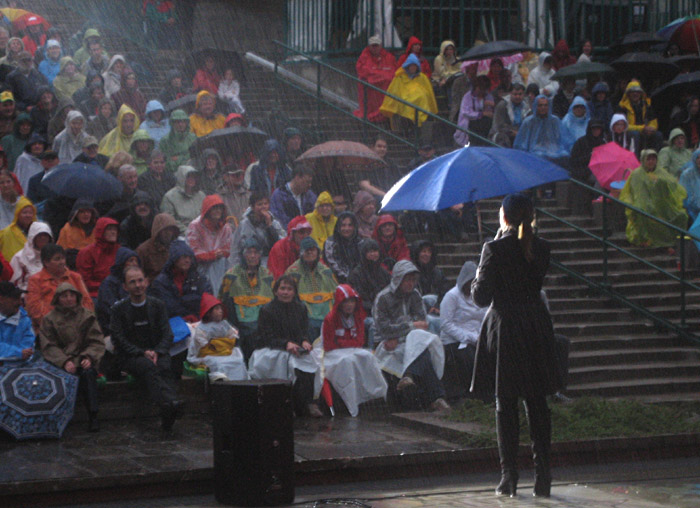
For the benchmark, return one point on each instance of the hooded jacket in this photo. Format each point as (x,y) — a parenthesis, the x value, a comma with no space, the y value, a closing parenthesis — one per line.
(210,184)
(365,228)
(134,230)
(369,277)
(25,86)
(573,127)
(284,206)
(542,77)
(641,114)
(181,296)
(169,93)
(176,145)
(9,58)
(70,333)
(337,332)
(27,261)
(285,251)
(133,97)
(321,228)
(94,261)
(58,120)
(431,280)
(377,71)
(316,285)
(65,143)
(113,81)
(73,235)
(42,288)
(112,288)
(40,114)
(64,85)
(561,55)
(82,54)
(153,253)
(424,64)
(260,171)
(157,130)
(395,311)
(16,334)
(690,180)
(206,81)
(116,140)
(264,235)
(541,136)
(140,163)
(12,238)
(671,158)
(628,139)
(182,206)
(413,89)
(100,126)
(393,249)
(583,150)
(343,254)
(460,317)
(28,164)
(206,237)
(442,67)
(600,110)
(504,120)
(200,125)
(14,143)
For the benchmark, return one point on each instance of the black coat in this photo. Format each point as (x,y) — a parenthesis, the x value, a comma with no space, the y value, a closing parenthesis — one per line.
(516,335)
(279,323)
(129,344)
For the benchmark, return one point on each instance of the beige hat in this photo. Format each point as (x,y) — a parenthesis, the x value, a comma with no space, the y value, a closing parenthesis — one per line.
(375,39)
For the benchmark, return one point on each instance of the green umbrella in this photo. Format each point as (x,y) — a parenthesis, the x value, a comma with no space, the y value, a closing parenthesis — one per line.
(582,70)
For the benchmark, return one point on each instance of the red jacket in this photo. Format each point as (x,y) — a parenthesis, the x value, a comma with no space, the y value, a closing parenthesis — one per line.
(7,271)
(333,331)
(205,80)
(561,55)
(95,261)
(285,252)
(377,71)
(424,64)
(396,248)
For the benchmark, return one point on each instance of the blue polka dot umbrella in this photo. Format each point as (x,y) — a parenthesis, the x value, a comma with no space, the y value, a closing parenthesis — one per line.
(36,399)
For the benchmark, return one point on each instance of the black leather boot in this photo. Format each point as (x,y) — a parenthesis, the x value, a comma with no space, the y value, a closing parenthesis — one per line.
(508,428)
(540,421)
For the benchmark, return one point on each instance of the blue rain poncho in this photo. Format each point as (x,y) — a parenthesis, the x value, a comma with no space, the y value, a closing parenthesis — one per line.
(690,180)
(541,136)
(573,127)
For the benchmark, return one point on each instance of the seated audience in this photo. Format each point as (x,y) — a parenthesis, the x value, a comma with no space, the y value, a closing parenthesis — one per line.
(174,87)
(16,334)
(58,120)
(476,112)
(270,172)
(575,123)
(205,119)
(508,116)
(415,48)
(37,191)
(210,174)
(79,232)
(369,277)
(413,86)
(673,157)
(541,76)
(207,77)
(234,192)
(28,164)
(540,133)
(69,79)
(155,122)
(128,176)
(120,138)
(322,219)
(564,97)
(27,261)
(51,65)
(229,92)
(295,197)
(690,180)
(43,110)
(641,117)
(13,144)
(629,140)
(94,261)
(156,182)
(375,65)
(113,75)
(104,120)
(136,228)
(89,155)
(364,206)
(25,82)
(688,119)
(154,251)
(257,223)
(69,142)
(112,287)
(342,250)
(581,154)
(184,201)
(130,95)
(379,181)
(599,106)
(141,147)
(432,284)
(392,243)
(285,251)
(562,56)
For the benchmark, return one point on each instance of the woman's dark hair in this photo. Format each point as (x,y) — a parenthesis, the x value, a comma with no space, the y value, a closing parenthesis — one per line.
(287,279)
(9,174)
(257,196)
(532,89)
(519,214)
(49,250)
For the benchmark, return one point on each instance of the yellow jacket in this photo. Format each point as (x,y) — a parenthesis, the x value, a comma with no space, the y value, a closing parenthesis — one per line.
(202,126)
(625,103)
(115,140)
(321,229)
(12,238)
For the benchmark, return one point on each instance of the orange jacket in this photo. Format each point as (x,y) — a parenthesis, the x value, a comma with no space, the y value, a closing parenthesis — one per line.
(41,288)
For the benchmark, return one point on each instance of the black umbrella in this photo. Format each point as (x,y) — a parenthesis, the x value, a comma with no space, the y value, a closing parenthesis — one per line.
(643,38)
(187,104)
(687,63)
(78,180)
(645,66)
(224,59)
(673,90)
(231,140)
(494,49)
(582,70)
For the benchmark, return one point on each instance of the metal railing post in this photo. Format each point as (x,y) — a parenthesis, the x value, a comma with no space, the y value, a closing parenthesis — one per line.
(318,94)
(415,127)
(605,241)
(682,275)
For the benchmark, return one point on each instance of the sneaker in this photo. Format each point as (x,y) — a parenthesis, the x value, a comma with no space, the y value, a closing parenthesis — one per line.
(314,411)
(440,406)
(405,382)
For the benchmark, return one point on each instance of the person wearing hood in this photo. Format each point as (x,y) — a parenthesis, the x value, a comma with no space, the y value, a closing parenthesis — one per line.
(14,144)
(205,119)
(342,250)
(285,251)
(413,86)
(184,202)
(141,148)
(113,75)
(540,133)
(315,283)
(88,98)
(352,370)
(282,351)
(14,236)
(641,117)
(98,61)
(445,64)
(322,219)
(460,324)
(575,123)
(136,227)
(25,82)
(377,66)
(564,97)
(209,236)
(406,349)
(476,112)
(676,155)
(369,277)
(156,123)
(210,175)
(120,207)
(94,261)
(629,140)
(690,180)
(112,287)
(8,113)
(179,284)
(364,206)
(207,77)
(28,164)
(215,344)
(14,47)
(415,48)
(234,192)
(293,143)
(176,143)
(230,92)
(27,261)
(42,286)
(432,284)
(174,87)
(391,240)
(9,197)
(270,172)
(561,55)
(258,223)
(581,154)
(122,135)
(245,288)
(104,121)
(69,142)
(44,110)
(154,251)
(130,94)
(69,79)
(79,232)
(83,53)
(508,116)
(688,119)
(657,192)
(51,65)
(295,197)
(156,182)
(58,120)
(599,106)
(542,75)
(71,339)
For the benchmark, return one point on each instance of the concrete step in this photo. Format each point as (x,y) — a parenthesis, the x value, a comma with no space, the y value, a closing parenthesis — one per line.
(612,357)
(681,385)
(600,344)
(622,372)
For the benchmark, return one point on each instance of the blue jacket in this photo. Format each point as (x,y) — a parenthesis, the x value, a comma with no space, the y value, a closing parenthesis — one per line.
(259,178)
(49,68)
(112,288)
(284,207)
(156,130)
(194,286)
(16,334)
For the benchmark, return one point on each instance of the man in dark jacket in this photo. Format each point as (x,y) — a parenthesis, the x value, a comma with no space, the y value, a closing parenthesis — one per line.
(270,172)
(136,228)
(295,198)
(90,155)
(142,339)
(26,82)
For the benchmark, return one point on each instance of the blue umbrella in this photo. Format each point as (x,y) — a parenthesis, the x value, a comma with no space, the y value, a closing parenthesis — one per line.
(470,174)
(78,180)
(37,399)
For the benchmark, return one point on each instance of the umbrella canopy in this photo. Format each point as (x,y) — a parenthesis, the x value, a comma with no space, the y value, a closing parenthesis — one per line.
(223,58)
(336,155)
(495,48)
(470,174)
(640,38)
(685,32)
(686,63)
(77,180)
(610,163)
(670,92)
(36,399)
(582,70)
(645,65)
(12,13)
(231,140)
(21,22)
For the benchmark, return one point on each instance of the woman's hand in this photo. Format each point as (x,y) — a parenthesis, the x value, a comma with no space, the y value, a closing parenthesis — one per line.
(292,348)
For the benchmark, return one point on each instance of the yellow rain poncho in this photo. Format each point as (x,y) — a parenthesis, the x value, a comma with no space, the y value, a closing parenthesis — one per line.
(12,238)
(416,90)
(202,126)
(659,194)
(115,140)
(320,228)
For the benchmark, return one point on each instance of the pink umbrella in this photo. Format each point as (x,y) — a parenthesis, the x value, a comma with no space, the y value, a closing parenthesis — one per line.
(610,163)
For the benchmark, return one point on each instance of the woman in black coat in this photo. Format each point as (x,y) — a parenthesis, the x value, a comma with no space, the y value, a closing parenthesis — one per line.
(517,340)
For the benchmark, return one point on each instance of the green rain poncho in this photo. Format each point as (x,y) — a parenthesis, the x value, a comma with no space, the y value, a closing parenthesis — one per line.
(139,163)
(659,194)
(316,285)
(176,145)
(671,158)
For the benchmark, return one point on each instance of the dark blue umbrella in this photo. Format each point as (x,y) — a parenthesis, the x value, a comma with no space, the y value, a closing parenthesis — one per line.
(37,399)
(78,180)
(469,174)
